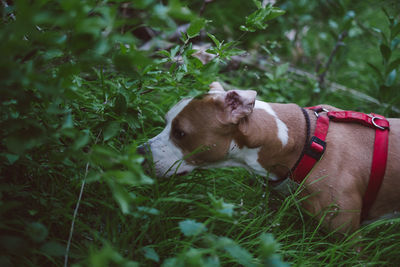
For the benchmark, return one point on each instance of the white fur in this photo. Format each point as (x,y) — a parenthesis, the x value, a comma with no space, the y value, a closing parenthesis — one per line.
(243,157)
(248,156)
(216,87)
(282,128)
(167,157)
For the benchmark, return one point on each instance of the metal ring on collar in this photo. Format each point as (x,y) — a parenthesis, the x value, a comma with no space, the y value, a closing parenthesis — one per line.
(376,125)
(321,110)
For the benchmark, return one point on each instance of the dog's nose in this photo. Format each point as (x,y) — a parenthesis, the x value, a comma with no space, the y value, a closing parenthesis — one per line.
(141,150)
(144,150)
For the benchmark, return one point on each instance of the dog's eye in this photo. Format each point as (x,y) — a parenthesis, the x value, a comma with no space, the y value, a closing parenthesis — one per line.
(178,133)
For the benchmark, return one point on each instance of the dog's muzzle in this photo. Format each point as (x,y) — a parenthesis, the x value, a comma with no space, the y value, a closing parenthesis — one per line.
(141,150)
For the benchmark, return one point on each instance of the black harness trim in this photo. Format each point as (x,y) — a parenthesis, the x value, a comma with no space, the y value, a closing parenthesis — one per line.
(308,129)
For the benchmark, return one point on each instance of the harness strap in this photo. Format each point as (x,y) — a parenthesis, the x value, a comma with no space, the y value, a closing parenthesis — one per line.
(379,156)
(314,150)
(370,120)
(317,146)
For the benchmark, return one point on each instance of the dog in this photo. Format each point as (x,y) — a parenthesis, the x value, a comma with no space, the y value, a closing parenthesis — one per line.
(233,129)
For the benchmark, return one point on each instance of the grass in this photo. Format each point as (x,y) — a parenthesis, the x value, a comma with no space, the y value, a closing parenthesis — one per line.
(76,95)
(230,211)
(257,210)
(229,203)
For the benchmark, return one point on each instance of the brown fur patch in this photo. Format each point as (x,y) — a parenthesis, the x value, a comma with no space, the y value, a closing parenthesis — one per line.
(204,132)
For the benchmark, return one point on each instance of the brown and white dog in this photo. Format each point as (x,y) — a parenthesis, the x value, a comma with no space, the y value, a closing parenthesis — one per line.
(232,128)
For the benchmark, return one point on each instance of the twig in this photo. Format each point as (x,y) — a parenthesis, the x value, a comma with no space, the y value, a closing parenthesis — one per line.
(76,210)
(160,39)
(74,217)
(203,6)
(339,43)
(5,6)
(124,7)
(263,64)
(331,86)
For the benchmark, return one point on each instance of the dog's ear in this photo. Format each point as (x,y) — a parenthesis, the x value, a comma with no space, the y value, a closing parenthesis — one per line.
(238,104)
(216,87)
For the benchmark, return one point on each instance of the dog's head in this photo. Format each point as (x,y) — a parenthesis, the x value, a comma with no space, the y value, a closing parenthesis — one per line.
(199,131)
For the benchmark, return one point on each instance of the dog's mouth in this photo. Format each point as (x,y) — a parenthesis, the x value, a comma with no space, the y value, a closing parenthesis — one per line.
(182,173)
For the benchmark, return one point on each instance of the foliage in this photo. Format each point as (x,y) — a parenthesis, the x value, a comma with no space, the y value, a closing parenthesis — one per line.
(84,82)
(257,20)
(387,72)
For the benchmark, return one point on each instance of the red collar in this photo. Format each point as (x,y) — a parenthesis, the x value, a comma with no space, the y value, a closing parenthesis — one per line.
(315,148)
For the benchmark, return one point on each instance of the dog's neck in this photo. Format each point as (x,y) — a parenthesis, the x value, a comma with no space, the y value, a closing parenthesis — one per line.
(277,133)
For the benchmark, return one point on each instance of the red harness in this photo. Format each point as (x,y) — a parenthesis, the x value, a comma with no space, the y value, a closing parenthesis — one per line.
(317,145)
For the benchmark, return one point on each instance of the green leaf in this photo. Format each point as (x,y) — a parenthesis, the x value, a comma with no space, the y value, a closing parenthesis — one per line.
(281,69)
(232,52)
(394,44)
(240,254)
(171,262)
(151,254)
(178,11)
(384,39)
(121,195)
(257,20)
(393,65)
(107,256)
(52,53)
(274,261)
(53,248)
(220,207)
(192,228)
(120,104)
(82,140)
(163,53)
(128,177)
(268,245)
(148,210)
(385,51)
(377,70)
(270,76)
(391,78)
(195,27)
(132,61)
(68,122)
(11,158)
(214,39)
(142,4)
(213,51)
(395,31)
(104,156)
(245,29)
(275,12)
(37,231)
(258,4)
(389,17)
(19,143)
(212,261)
(174,51)
(193,257)
(111,130)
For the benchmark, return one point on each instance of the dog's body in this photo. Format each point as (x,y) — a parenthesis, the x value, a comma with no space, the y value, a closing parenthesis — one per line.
(267,138)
